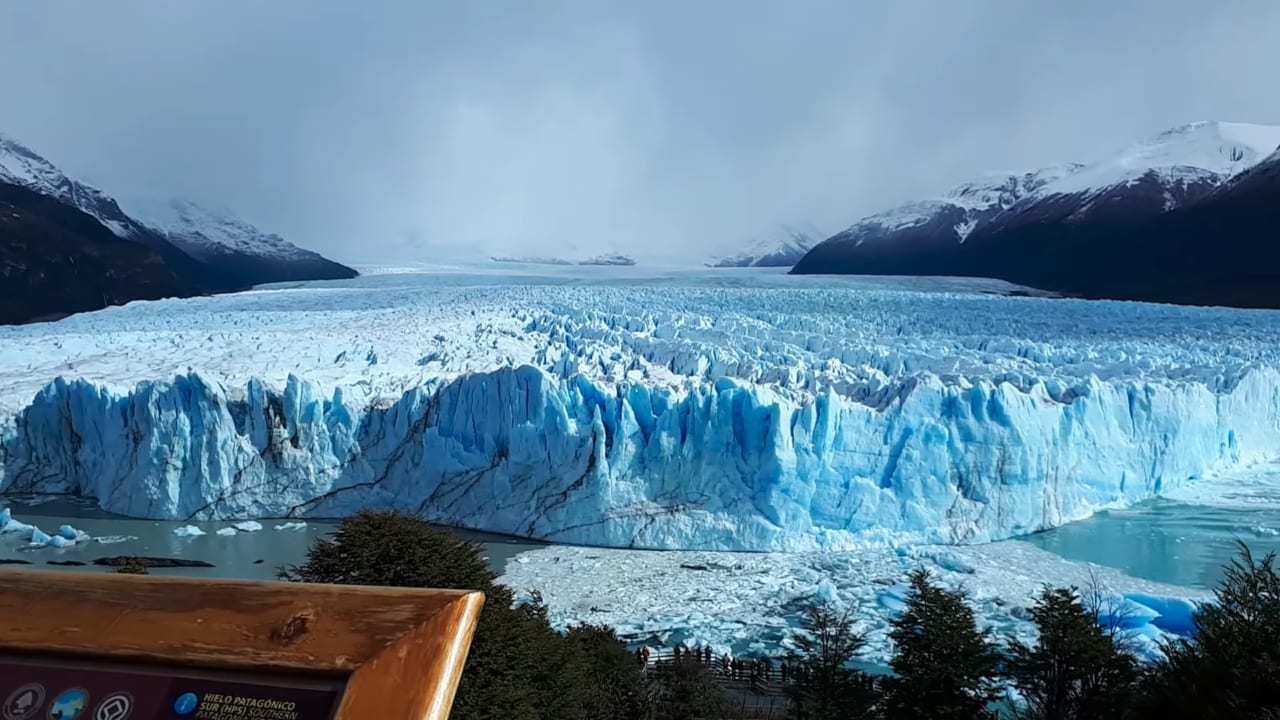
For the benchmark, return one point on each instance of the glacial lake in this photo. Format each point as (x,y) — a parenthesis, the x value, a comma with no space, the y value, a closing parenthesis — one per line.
(1164,541)
(254,555)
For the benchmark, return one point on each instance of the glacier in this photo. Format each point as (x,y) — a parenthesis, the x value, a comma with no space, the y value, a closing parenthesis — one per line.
(641,409)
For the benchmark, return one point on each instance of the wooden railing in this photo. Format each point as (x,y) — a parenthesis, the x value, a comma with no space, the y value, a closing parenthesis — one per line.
(755,687)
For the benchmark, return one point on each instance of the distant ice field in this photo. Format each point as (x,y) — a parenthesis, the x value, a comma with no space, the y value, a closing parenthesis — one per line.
(752,321)
(639,407)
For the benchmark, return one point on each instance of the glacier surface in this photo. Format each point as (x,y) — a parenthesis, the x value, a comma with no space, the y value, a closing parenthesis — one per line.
(636,407)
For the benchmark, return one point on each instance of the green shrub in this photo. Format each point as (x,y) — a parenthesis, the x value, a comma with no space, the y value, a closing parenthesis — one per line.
(943,666)
(685,689)
(1230,667)
(518,667)
(1076,670)
(824,686)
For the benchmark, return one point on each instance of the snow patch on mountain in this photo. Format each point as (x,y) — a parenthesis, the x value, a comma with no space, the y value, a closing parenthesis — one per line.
(617,259)
(1001,191)
(782,248)
(205,233)
(965,228)
(21,165)
(1198,151)
(603,259)
(1197,154)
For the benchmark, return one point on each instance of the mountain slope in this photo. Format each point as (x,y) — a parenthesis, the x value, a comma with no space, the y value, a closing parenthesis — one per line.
(56,260)
(1092,229)
(1222,250)
(223,241)
(783,248)
(205,251)
(20,165)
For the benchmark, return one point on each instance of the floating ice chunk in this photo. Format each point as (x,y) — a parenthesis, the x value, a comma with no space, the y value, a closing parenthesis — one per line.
(9,525)
(1175,615)
(74,535)
(950,561)
(227,531)
(1264,531)
(291,526)
(1121,612)
(113,539)
(248,526)
(894,600)
(827,593)
(188,531)
(66,536)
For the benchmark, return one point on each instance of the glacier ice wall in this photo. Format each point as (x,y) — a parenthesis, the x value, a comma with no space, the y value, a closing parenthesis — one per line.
(710,465)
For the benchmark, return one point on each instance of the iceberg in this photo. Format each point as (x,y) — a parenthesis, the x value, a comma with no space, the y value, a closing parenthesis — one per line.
(188,531)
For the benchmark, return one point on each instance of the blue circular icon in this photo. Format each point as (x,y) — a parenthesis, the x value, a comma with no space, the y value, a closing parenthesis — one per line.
(69,704)
(186,703)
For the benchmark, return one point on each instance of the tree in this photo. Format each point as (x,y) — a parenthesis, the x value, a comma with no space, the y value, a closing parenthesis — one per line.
(1230,667)
(518,665)
(943,666)
(685,689)
(824,687)
(1076,670)
(604,679)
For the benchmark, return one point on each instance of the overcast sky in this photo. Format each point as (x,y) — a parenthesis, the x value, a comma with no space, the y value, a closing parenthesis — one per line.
(407,130)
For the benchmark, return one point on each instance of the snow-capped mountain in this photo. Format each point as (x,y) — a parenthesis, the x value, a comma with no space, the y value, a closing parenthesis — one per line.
(530,260)
(1046,228)
(1197,152)
(608,259)
(56,259)
(202,251)
(20,165)
(616,259)
(220,239)
(782,248)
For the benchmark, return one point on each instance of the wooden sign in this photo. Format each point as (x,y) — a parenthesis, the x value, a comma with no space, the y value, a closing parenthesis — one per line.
(126,647)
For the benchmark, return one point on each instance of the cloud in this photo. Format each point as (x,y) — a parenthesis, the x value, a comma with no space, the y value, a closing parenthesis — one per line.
(410,130)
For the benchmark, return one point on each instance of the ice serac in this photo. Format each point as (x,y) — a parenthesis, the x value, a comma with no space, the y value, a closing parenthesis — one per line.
(714,465)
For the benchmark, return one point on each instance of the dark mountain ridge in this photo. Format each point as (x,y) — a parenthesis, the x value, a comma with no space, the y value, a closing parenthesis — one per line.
(1179,233)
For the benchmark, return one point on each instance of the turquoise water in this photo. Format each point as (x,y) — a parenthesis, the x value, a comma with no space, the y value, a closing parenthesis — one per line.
(1166,541)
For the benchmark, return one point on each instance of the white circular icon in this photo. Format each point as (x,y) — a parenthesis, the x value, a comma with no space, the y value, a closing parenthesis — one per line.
(116,706)
(23,703)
